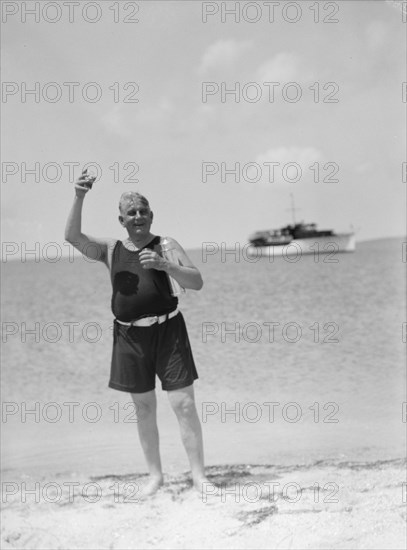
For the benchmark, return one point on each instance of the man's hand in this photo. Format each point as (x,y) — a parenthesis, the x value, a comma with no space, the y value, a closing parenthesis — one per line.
(151,260)
(83,183)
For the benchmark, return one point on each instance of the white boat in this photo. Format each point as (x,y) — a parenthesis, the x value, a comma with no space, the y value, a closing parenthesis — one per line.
(294,241)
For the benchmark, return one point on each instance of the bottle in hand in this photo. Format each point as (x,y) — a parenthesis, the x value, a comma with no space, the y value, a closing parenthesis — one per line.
(170,254)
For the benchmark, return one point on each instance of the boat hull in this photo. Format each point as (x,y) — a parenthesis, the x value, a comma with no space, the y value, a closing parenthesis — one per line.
(343,242)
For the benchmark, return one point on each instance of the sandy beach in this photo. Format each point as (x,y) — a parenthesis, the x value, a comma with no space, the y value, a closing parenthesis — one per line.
(321,505)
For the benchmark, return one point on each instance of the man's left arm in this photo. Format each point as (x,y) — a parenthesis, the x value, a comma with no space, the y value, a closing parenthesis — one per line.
(184,272)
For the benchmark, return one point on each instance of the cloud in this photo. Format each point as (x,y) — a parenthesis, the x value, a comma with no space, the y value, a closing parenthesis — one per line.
(293,165)
(114,122)
(283,67)
(118,121)
(222,54)
(304,156)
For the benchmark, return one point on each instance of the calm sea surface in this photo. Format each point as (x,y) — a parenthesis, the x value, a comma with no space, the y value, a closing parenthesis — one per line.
(298,361)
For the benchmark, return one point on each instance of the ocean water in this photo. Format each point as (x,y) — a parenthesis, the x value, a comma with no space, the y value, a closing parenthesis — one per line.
(298,361)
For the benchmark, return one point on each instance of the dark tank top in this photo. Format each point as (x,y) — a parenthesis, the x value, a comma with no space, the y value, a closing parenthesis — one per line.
(138,292)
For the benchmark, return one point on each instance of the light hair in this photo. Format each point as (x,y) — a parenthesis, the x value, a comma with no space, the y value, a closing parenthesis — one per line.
(131,197)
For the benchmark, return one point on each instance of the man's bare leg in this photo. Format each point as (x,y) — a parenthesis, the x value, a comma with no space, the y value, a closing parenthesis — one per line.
(183,404)
(146,410)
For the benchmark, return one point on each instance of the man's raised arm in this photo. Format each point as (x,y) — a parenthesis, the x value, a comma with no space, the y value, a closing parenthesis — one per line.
(96,249)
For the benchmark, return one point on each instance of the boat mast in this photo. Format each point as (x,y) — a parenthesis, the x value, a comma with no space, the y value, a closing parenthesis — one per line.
(293,209)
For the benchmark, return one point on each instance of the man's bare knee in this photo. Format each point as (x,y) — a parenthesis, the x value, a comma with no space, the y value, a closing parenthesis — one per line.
(182,402)
(145,404)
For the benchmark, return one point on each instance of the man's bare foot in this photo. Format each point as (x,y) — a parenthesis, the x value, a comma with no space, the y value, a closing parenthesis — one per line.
(151,486)
(205,487)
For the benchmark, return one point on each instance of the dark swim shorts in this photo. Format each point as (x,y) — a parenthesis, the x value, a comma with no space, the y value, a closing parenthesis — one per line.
(141,353)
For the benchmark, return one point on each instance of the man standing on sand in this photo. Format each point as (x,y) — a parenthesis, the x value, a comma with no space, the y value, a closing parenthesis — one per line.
(150,335)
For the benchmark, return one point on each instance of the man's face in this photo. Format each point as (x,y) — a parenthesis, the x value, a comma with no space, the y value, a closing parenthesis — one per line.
(136,217)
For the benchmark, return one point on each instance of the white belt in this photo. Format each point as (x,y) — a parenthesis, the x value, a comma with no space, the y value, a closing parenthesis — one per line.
(148,321)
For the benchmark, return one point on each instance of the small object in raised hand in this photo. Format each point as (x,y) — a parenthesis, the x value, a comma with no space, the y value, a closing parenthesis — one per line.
(88,182)
(87,179)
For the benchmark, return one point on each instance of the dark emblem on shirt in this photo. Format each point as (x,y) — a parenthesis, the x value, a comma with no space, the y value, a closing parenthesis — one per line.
(126,283)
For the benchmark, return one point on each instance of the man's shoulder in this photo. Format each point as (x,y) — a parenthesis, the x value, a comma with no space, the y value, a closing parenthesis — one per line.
(174,244)
(111,242)
(170,240)
(108,242)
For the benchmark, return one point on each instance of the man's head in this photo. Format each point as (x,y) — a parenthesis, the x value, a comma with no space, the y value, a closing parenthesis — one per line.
(135,213)
(129,198)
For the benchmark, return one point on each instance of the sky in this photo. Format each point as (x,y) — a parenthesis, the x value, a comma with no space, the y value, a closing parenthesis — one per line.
(159,112)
